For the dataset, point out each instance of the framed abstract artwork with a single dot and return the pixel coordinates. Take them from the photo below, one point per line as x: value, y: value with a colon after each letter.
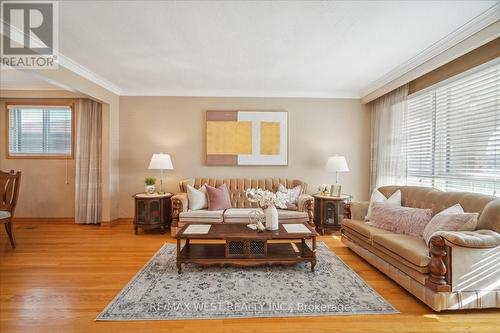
x: 246, y: 138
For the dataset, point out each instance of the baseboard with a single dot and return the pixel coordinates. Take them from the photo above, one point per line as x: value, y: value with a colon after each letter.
x: 43, y: 219
x: 121, y: 220
x: 127, y: 220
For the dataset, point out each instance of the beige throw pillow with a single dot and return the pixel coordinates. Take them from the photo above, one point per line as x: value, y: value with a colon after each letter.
x: 197, y: 198
x: 292, y: 196
x: 394, y: 199
x: 451, y: 219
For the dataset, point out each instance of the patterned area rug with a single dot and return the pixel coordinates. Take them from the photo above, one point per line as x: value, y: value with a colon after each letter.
x: 157, y: 292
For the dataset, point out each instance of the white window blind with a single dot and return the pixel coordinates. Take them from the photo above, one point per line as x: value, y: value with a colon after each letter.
x: 40, y: 131
x: 454, y: 133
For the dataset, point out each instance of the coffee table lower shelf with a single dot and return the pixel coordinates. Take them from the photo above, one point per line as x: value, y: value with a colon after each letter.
x: 218, y: 254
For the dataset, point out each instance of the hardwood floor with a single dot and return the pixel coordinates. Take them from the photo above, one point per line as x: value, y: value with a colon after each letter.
x: 62, y: 275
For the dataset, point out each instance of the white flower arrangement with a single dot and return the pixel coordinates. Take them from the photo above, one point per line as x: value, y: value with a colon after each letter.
x: 323, y: 187
x: 266, y: 198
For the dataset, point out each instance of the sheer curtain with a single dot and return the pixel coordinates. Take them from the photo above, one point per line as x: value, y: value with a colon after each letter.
x: 88, y: 163
x: 388, y: 139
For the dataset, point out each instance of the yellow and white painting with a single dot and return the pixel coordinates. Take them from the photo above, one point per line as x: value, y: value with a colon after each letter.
x: 246, y: 138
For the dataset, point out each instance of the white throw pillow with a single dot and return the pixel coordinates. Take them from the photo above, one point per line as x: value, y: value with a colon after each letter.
x: 197, y: 198
x: 292, y: 196
x: 394, y: 199
x: 451, y: 219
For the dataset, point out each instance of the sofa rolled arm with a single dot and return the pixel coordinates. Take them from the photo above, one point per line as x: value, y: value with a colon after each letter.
x: 359, y: 210
x: 179, y: 204
x: 306, y: 204
x: 478, y: 239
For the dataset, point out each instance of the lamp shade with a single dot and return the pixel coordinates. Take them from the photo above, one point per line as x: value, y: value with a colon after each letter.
x: 336, y: 164
x: 161, y: 162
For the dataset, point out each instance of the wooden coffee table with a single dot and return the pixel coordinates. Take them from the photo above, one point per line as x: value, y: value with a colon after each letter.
x: 245, y: 247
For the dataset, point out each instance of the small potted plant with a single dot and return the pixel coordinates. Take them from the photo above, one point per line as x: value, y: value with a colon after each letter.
x: 150, y: 184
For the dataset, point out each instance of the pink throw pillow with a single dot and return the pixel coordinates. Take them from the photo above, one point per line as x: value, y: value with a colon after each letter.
x: 401, y: 220
x: 218, y: 198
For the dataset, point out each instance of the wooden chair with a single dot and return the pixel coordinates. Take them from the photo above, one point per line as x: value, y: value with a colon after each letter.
x: 9, y: 190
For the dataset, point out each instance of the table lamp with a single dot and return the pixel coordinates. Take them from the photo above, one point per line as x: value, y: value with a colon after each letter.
x: 161, y: 162
x: 336, y: 164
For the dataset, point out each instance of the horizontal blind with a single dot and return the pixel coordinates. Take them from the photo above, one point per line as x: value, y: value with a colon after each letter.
x: 420, y: 140
x: 40, y: 131
x: 454, y: 134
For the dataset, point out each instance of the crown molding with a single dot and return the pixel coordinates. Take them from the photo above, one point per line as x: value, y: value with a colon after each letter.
x: 470, y: 28
x: 18, y: 36
x: 7, y: 86
x: 238, y: 93
x: 84, y: 72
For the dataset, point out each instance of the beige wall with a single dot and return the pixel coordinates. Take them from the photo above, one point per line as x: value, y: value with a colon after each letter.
x: 47, y: 185
x: 175, y: 125
x: 71, y: 81
x: 317, y: 128
x: 44, y: 190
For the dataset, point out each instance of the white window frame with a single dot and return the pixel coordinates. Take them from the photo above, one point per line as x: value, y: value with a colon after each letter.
x: 41, y: 105
x: 433, y: 89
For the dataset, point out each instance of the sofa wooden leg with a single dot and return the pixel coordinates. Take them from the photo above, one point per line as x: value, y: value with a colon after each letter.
x: 310, y: 213
x: 437, y: 280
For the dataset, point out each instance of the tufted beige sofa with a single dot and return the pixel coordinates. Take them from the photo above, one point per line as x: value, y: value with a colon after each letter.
x: 460, y: 270
x: 181, y: 214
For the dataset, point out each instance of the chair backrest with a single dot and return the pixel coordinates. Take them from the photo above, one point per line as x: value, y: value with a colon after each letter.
x: 237, y: 187
x: 9, y: 190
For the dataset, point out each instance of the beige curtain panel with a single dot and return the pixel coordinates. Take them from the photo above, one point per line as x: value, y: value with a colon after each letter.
x: 388, y: 139
x: 88, y: 163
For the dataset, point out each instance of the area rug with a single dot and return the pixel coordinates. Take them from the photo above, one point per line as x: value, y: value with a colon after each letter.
x: 157, y: 292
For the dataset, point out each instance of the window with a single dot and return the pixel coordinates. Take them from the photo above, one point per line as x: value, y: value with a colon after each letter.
x: 453, y: 128
x: 40, y: 131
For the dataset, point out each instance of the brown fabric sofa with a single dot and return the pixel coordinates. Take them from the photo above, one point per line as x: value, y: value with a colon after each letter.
x: 240, y: 205
x: 461, y: 270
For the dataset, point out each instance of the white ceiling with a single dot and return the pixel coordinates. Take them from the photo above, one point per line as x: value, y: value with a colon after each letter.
x: 302, y: 49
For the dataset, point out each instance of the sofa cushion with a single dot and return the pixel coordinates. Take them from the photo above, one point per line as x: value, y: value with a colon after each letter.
x: 201, y: 216
x: 239, y: 215
x: 292, y: 216
x: 416, y: 272
x: 363, y: 229
x: 406, y: 247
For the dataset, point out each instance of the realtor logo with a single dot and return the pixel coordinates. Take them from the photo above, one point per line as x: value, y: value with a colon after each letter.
x: 29, y: 34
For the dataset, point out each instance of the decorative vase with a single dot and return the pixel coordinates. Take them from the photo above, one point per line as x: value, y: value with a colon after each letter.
x: 271, y: 218
x: 150, y: 189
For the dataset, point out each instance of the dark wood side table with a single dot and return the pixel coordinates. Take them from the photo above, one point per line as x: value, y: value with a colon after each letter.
x: 329, y: 212
x: 152, y: 211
